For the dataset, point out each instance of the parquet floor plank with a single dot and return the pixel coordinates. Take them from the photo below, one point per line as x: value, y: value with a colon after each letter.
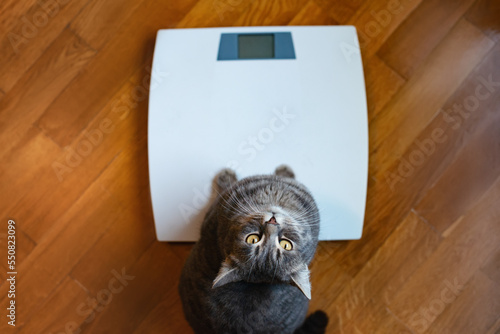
x: 323, y: 269
x: 99, y: 21
x: 18, y: 171
x: 484, y: 15
x: 492, y: 267
x: 404, y: 185
x: 147, y: 289
x: 438, y: 145
x: 468, y: 312
x: 340, y: 11
x: 119, y: 59
x: 378, y: 319
x: 49, y: 263
x: 270, y: 13
x: 10, y: 12
x: 24, y: 247
x: 417, y: 102
x: 465, y: 180
x: 451, y: 266
x: 382, y: 268
x: 383, y: 214
x: 127, y: 239
x: 382, y: 82
x: 30, y: 34
x: 70, y: 302
x: 167, y: 314
x: 417, y: 36
x: 112, y: 131
x: 495, y: 329
x: 36, y: 90
x: 376, y: 21
x: 218, y: 13
x: 131, y: 236
x: 312, y: 14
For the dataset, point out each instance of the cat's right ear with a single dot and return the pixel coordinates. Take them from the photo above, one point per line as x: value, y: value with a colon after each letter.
x: 284, y: 171
x: 227, y: 274
x: 225, y: 179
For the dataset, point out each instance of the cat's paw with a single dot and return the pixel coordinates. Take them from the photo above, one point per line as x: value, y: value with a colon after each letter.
x: 284, y: 171
x: 224, y: 179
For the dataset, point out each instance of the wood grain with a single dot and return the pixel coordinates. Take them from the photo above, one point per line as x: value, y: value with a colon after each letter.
x: 446, y: 272
x: 420, y: 99
x: 417, y: 36
x: 75, y: 232
x: 38, y: 87
x: 31, y: 34
x: 382, y: 82
x: 468, y: 313
x: 492, y: 267
x: 111, y: 67
x: 341, y: 11
x: 464, y: 181
x: 447, y: 133
x: 74, y: 172
x: 72, y: 304
x: 312, y: 14
x: 24, y: 248
x: 99, y: 21
x: 484, y: 14
x: 146, y: 289
x: 374, y: 277
x: 377, y: 20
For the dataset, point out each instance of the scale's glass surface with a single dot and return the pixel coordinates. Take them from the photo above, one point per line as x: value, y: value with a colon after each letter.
x: 253, y: 98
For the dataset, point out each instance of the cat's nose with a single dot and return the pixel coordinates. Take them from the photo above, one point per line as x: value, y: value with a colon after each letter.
x: 272, y: 221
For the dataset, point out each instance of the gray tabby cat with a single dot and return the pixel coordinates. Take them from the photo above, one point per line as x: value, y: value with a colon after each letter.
x: 249, y: 273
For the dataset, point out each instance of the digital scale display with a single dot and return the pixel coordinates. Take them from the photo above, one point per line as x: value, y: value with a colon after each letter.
x: 255, y: 46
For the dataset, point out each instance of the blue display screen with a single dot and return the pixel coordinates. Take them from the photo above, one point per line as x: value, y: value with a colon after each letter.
x: 255, y: 46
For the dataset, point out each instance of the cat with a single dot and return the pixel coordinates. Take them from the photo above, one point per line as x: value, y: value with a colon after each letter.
x: 248, y: 273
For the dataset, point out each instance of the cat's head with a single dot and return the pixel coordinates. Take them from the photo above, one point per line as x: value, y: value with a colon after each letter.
x: 268, y: 232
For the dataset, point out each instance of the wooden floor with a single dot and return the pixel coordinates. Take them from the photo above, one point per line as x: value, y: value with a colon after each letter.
x: 74, y: 173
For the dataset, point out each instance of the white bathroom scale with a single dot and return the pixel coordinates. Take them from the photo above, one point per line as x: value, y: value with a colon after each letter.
x: 251, y: 99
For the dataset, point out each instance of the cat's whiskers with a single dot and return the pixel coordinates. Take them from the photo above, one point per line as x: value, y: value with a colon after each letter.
x: 251, y: 204
x: 244, y: 209
x: 239, y: 208
x: 229, y: 207
x: 254, y: 204
x: 305, y: 215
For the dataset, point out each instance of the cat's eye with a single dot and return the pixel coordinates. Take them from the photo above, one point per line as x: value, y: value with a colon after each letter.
x: 285, y: 244
x: 253, y: 239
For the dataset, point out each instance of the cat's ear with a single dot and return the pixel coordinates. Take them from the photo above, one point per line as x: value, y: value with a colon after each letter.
x: 225, y: 179
x: 227, y: 274
x: 301, y: 280
x: 284, y: 171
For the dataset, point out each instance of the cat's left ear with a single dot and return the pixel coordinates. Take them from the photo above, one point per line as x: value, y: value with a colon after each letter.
x: 301, y: 280
x: 227, y: 274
